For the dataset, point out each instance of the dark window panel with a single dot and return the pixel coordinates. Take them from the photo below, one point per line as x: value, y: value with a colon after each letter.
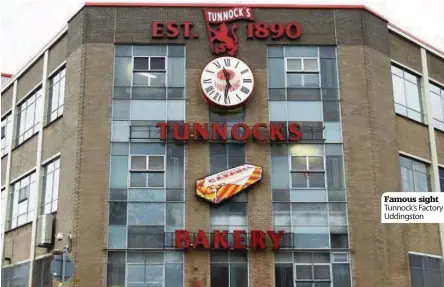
x: 341, y: 275
x: 145, y: 237
x: 219, y: 275
x: 118, y: 194
x: 148, y: 93
x: 304, y: 94
x: 326, y: 52
x: 275, y: 52
x: 238, y: 275
x: 276, y: 94
x: 122, y: 93
x: 331, y: 111
x: 328, y: 73
x: 176, y: 51
x: 117, y: 213
x: 284, y: 275
x: 157, y: 63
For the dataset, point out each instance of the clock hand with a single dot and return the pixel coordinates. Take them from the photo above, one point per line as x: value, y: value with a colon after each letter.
x: 228, y: 85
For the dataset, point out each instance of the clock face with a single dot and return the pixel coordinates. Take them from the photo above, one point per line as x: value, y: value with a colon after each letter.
x: 227, y: 82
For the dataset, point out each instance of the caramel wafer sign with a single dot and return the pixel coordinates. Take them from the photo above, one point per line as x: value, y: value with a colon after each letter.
x: 217, y: 188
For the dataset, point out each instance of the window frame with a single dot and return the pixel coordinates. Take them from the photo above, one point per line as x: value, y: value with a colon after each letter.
x: 45, y: 174
x: 37, y: 95
x: 302, y: 72
x: 5, y: 141
x: 149, y: 70
x: 419, y: 87
x: 441, y: 96
x: 307, y: 172
x: 14, y: 200
x: 414, y: 172
x: 58, y: 111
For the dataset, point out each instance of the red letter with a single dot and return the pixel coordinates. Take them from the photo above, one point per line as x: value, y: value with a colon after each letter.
x: 201, y: 239
x: 182, y: 239
x: 186, y: 133
x: 200, y: 132
x: 220, y: 238
x: 275, y: 131
x: 173, y: 30
x: 257, y: 133
x: 163, y: 130
x: 235, y: 132
x: 258, y: 239
x: 276, y: 238
x: 187, y: 29
x: 157, y: 30
x: 239, y: 240
x: 295, y: 132
x: 222, y: 131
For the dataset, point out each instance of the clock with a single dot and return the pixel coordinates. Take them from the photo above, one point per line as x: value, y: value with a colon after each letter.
x: 227, y: 82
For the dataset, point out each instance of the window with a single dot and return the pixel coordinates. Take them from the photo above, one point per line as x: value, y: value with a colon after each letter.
x: 5, y: 134
x: 136, y: 268
x: 312, y: 269
x: 56, y: 95
x: 441, y: 178
x: 147, y: 171
x: 50, y: 192
x: 437, y: 99
x: 16, y: 275
x: 29, y: 116
x: 426, y: 271
x: 42, y: 276
x: 415, y: 175
x: 229, y: 269
x: 2, y: 207
x: 406, y: 91
x: 307, y: 172
x: 23, y: 199
x: 149, y: 72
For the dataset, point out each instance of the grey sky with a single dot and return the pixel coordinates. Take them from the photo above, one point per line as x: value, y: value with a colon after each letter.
x: 27, y: 25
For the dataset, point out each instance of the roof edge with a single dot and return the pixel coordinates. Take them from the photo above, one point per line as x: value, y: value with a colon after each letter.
x: 6, y: 75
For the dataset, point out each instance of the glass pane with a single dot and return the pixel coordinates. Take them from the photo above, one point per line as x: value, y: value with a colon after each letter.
x: 412, y: 93
x: 118, y: 194
x: 311, y: 237
x: 147, y: 148
x: 219, y: 275
x: 311, y: 65
x: 275, y: 52
x: 121, y: 110
x: 136, y: 273
x: 153, y: 50
x: 154, y: 273
x: 156, y: 162
x: 148, y: 110
x: 301, y: 51
x: 122, y: 71
x: 421, y: 182
x: 309, y: 111
x: 119, y: 149
x: 145, y: 237
x: 304, y: 272
x: 399, y: 90
x: 308, y: 195
x: 327, y: 52
x: 238, y: 275
x: 138, y: 180
x: 298, y: 163
x: 176, y: 110
x: 175, y: 214
x: 298, y: 179
x: 157, y: 63
x: 141, y: 78
x: 311, y: 80
x: 173, y: 275
x: 277, y: 110
x: 156, y: 179
x: 176, y: 72
x: 146, y: 214
x: 284, y: 275
x: 316, y: 179
x: 279, y: 168
x: 294, y: 64
x: 117, y: 213
x: 407, y: 180
x: 138, y: 162
x: 119, y: 171
x: 309, y: 214
x: 335, y: 172
x: 141, y: 63
x: 157, y: 79
x: 331, y: 111
x: 294, y: 80
x: 276, y: 73
x: 176, y: 51
x: 117, y: 237
x: 321, y: 272
x: 316, y: 163
x: 120, y: 131
x: 341, y: 275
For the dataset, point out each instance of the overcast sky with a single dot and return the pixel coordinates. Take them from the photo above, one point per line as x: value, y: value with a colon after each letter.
x: 27, y: 25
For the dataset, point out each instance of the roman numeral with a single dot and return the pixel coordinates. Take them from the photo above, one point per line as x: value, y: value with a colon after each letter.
x: 240, y: 99
x: 209, y: 89
x: 227, y: 62
x: 217, y: 97
x: 208, y: 81
x: 217, y: 64
x: 212, y: 92
x: 247, y: 80
x: 244, y: 71
x: 245, y: 90
x: 228, y: 99
x: 237, y: 64
x: 209, y: 71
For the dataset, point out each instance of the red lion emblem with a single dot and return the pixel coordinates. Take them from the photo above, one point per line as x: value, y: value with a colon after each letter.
x: 221, y: 41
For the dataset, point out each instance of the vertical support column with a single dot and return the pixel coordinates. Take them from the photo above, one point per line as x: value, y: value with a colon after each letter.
x: 36, y: 209
x: 432, y: 141
x: 5, y: 207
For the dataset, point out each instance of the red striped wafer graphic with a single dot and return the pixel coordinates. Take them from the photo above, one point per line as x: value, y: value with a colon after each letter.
x: 222, y: 191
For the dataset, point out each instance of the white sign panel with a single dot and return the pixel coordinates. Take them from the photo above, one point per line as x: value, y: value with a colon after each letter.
x: 412, y: 207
